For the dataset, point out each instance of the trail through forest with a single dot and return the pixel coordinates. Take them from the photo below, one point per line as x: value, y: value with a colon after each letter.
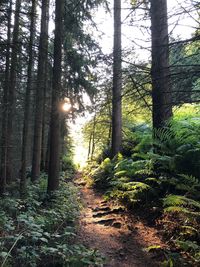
x: 119, y: 236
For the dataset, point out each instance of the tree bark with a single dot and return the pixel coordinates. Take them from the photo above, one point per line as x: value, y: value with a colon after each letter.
x: 160, y: 72
x: 44, y: 121
x: 54, y: 162
x: 5, y: 107
x: 93, y: 136
x: 117, y: 82
x: 63, y: 133
x: 89, y: 146
x: 28, y: 98
x: 47, y: 155
x: 41, y: 83
x: 12, y: 91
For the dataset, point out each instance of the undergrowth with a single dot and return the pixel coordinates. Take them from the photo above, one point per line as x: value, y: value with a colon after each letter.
x: 160, y: 177
x: 39, y: 230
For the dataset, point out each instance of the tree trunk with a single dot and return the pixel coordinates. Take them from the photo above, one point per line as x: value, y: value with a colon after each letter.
x: 54, y: 162
x: 89, y: 146
x: 117, y: 82
x: 41, y: 83
x: 63, y: 133
x: 5, y: 106
x: 49, y: 101
x: 43, y: 146
x: 12, y: 91
x: 93, y: 137
x: 27, y: 98
x: 47, y: 156
x: 110, y: 123
x: 160, y: 73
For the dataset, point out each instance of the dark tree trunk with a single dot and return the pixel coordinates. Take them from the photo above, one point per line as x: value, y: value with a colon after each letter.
x: 44, y: 122
x: 12, y: 91
x: 49, y: 100
x: 117, y: 82
x: 43, y: 147
x: 47, y: 156
x: 28, y: 98
x: 54, y: 162
x: 110, y: 123
x: 41, y: 83
x: 5, y: 106
x: 161, y: 87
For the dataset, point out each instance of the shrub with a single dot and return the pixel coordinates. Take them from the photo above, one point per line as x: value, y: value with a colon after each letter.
x: 39, y: 230
x: 68, y: 165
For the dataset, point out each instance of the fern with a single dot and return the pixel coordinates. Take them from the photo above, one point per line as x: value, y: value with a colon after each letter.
x: 133, y: 186
x: 189, y: 179
x: 175, y: 200
x: 119, y: 181
x: 186, y: 211
x: 120, y: 173
x: 188, y: 245
x: 123, y: 165
x: 131, y: 192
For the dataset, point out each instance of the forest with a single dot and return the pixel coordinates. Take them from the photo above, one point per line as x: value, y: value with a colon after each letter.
x: 100, y: 133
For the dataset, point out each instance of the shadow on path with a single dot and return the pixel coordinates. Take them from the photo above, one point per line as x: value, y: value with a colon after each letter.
x: 118, y: 236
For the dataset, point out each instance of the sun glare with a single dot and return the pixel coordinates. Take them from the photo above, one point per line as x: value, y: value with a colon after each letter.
x: 66, y: 107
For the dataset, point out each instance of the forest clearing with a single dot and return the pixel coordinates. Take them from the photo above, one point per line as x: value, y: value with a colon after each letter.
x: 100, y: 133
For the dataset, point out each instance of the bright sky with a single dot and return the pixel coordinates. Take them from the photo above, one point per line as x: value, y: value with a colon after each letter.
x: 80, y: 147
x: 135, y: 31
x: 130, y: 33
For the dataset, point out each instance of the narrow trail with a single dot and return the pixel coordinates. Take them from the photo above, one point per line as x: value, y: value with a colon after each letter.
x: 118, y: 236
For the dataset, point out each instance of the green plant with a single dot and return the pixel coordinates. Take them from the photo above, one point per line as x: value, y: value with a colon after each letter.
x: 41, y: 228
x: 67, y: 164
x: 103, y: 174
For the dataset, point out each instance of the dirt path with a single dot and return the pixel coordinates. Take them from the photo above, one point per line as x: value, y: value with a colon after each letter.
x: 118, y: 236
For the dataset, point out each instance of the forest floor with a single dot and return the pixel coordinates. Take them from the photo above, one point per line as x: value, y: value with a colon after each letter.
x: 117, y: 234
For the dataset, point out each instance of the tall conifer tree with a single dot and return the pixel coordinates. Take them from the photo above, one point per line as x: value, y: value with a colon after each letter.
x: 117, y: 82
x: 160, y: 72
x: 41, y: 83
x: 54, y: 161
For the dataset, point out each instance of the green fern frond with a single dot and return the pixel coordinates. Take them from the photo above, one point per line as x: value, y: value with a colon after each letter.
x: 176, y: 200
x: 120, y: 181
x: 123, y: 164
x: 163, y: 134
x: 145, y: 172
x: 188, y: 245
x: 183, y: 187
x: 177, y: 209
x: 121, y: 173
x: 134, y: 186
x: 189, y: 180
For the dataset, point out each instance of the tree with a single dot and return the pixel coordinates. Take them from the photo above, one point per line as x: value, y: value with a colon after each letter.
x: 41, y: 83
x: 27, y: 97
x: 12, y: 91
x: 117, y: 82
x: 4, y: 141
x: 54, y: 161
x: 160, y: 72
